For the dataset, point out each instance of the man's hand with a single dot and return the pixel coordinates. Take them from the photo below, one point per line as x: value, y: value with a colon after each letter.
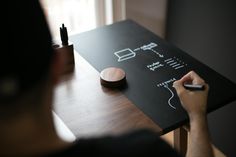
x: 194, y: 102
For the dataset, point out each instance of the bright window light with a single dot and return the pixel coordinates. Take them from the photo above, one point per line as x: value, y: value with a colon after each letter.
x: 77, y: 15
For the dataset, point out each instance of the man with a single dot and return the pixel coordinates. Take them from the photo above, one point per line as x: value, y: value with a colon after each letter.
x: 29, y: 72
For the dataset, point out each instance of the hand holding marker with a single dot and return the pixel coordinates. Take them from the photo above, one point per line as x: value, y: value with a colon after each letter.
x: 194, y: 87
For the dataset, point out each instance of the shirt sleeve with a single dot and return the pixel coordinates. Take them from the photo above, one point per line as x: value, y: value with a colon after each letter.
x: 136, y: 143
x: 139, y: 143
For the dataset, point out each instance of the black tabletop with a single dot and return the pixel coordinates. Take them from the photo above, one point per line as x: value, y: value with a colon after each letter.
x: 151, y: 65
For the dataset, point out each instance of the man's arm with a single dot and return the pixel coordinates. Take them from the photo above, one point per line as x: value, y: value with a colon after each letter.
x: 195, y: 102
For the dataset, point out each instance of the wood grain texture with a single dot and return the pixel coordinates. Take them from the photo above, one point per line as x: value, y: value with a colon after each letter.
x: 90, y: 109
x: 181, y: 140
x: 112, y: 77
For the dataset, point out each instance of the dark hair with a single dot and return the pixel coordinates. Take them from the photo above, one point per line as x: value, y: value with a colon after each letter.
x: 27, y: 48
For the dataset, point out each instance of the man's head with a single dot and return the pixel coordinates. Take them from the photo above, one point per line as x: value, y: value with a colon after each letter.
x: 26, y: 54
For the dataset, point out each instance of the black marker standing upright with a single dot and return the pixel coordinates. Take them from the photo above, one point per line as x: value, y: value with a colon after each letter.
x: 66, y: 48
x: 64, y: 35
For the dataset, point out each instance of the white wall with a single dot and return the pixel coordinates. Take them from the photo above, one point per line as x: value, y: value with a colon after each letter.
x: 149, y: 13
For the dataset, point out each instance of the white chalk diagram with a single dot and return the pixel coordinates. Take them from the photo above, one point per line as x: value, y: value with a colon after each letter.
x: 154, y: 66
x: 150, y: 47
x: 165, y: 85
x: 127, y: 53
x: 175, y: 63
x: 172, y: 96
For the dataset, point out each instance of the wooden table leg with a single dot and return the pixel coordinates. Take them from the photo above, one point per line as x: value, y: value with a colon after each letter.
x: 181, y: 140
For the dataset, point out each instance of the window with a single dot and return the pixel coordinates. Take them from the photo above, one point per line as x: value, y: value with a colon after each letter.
x: 77, y: 15
x: 81, y: 15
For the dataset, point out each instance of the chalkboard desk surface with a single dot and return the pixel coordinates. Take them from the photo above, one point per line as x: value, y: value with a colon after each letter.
x: 90, y: 109
x: 149, y: 101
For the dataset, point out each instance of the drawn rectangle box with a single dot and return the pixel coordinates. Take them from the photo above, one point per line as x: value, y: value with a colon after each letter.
x: 125, y: 54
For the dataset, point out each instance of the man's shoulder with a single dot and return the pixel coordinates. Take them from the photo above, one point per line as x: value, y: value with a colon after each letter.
x: 136, y: 143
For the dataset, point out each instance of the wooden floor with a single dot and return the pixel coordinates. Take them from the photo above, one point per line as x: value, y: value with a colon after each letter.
x: 169, y: 139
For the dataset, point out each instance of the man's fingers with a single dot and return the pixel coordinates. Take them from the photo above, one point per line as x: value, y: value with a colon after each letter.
x: 192, y: 77
x: 179, y: 87
x: 186, y: 78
